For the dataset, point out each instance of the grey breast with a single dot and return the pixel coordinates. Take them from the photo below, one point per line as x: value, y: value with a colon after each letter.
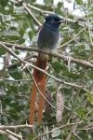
x: 47, y: 39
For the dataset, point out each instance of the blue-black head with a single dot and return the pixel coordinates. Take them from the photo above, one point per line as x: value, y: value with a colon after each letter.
x: 53, y: 21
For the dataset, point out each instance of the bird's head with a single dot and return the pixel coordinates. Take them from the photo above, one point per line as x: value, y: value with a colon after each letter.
x: 53, y: 21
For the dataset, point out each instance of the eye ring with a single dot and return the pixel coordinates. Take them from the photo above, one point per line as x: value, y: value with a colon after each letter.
x: 52, y: 21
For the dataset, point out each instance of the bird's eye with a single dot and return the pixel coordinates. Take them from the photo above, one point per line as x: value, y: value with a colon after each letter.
x: 52, y: 21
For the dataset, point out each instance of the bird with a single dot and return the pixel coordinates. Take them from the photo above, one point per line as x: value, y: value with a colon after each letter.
x: 47, y: 41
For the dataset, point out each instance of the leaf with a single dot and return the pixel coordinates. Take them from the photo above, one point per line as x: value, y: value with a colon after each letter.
x: 81, y: 112
x: 2, y: 50
x: 48, y: 1
x: 16, y: 75
x: 79, y: 2
x: 57, y: 66
x: 11, y: 34
x: 90, y: 98
x: 55, y: 133
x: 3, y: 3
x: 2, y: 137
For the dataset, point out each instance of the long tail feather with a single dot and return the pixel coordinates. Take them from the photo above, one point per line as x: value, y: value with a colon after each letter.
x: 40, y: 79
x: 32, y: 104
x: 40, y: 63
x: 42, y: 87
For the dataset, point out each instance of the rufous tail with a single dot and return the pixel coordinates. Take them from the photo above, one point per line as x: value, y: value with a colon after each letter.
x: 40, y: 81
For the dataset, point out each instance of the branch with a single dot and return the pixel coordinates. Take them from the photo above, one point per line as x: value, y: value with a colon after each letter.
x: 73, y: 130
x: 42, y: 94
x: 3, y: 127
x: 80, y: 22
x: 14, y: 134
x: 61, y: 127
x: 24, y: 62
x: 39, y: 10
x: 11, y: 52
x: 27, y: 63
x: 32, y: 15
x: 85, y: 129
x: 9, y: 136
x: 65, y: 58
x: 72, y: 39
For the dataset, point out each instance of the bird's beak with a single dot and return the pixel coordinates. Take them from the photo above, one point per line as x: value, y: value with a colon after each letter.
x: 61, y: 21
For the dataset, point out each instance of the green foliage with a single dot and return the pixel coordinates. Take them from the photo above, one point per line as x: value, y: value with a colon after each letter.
x: 2, y: 51
x: 79, y: 2
x: 2, y: 137
x: 19, y: 28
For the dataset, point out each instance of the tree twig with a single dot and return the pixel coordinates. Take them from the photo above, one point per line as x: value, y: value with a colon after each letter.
x: 3, y: 127
x: 14, y: 134
x: 68, y: 124
x: 32, y: 15
x: 39, y: 10
x: 57, y: 79
x: 72, y: 39
x: 65, y: 58
x: 9, y: 136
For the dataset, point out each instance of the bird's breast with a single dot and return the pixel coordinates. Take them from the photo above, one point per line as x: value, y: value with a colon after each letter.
x: 47, y: 39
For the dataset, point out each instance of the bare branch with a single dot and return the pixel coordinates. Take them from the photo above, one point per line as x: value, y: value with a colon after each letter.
x: 32, y: 15
x: 72, y: 39
x: 65, y: 58
x: 3, y: 127
x: 10, y: 137
x: 54, y: 54
x: 61, y: 127
x: 73, y: 130
x: 39, y: 10
x: 14, y: 134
